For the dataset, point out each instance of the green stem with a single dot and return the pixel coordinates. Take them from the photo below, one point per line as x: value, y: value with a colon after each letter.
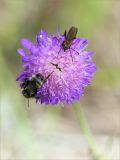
x: 87, y: 133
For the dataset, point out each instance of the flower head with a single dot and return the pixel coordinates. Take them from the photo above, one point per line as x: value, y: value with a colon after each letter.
x: 68, y: 77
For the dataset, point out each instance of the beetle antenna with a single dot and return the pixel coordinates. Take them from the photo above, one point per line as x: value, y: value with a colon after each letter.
x: 65, y: 34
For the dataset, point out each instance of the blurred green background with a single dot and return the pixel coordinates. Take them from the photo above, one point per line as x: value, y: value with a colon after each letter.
x: 46, y: 132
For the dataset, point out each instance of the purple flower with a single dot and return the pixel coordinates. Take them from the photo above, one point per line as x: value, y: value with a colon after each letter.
x: 68, y: 78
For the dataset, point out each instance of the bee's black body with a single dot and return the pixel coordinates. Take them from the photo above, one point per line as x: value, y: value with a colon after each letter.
x: 69, y: 37
x: 30, y: 86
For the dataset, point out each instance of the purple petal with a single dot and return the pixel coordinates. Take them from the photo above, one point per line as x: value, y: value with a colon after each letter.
x: 41, y: 36
x: 27, y: 43
x: 21, y: 51
x: 21, y: 77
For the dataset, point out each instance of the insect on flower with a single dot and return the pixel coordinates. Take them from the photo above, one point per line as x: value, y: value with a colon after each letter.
x: 57, y: 66
x: 69, y: 37
x: 52, y: 79
x: 31, y: 86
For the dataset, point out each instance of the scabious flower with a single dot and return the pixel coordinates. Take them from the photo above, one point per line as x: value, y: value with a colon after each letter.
x: 68, y: 78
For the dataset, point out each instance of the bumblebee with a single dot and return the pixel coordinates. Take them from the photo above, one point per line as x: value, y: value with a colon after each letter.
x: 31, y: 85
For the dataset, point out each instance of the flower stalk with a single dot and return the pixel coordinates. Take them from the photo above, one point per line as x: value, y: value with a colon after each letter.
x: 88, y: 134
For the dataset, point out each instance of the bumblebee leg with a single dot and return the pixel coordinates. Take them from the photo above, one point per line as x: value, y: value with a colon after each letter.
x: 49, y: 75
x: 37, y: 99
x: 28, y: 103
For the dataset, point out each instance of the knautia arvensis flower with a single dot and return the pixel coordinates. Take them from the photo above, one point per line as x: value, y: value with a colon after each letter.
x: 68, y: 77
